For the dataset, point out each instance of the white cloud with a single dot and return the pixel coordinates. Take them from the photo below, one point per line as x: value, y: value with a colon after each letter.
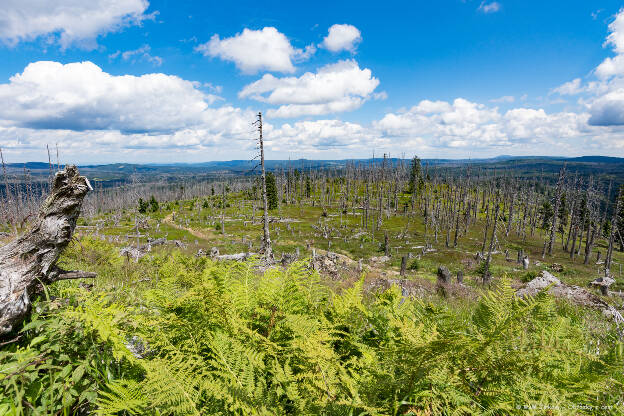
x: 81, y: 97
x: 67, y: 21
x: 338, y: 87
x: 614, y: 66
x: 608, y: 109
x: 142, y: 53
x: 256, y: 50
x: 468, y: 125
x: 569, y: 88
x: 504, y: 99
x: 342, y: 37
x: 491, y: 7
x: 603, y: 98
x: 537, y: 125
x: 319, y: 135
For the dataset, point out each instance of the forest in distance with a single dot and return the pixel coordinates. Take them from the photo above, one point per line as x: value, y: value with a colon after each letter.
x: 381, y: 286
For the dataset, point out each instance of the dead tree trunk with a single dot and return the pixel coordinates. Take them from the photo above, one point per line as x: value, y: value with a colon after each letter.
x: 30, y: 260
x: 487, y: 276
x: 616, y: 210
x: 553, y: 229
x: 266, y: 248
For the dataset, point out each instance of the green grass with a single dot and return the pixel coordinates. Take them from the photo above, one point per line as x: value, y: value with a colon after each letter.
x: 238, y: 225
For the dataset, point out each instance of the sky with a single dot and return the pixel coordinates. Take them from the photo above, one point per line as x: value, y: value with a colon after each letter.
x: 158, y: 81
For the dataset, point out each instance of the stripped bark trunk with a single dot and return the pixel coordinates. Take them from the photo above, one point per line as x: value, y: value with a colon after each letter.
x: 30, y: 260
x: 553, y: 229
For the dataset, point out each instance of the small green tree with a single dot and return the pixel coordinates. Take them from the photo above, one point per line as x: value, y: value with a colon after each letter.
x: 546, y: 213
x: 271, y: 190
x: 416, y: 181
x: 620, y: 220
x: 153, y: 204
x: 143, y: 206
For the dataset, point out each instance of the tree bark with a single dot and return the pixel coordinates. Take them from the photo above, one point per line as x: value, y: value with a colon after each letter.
x: 30, y: 260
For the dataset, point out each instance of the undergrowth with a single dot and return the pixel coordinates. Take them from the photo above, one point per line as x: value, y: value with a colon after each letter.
x: 180, y: 335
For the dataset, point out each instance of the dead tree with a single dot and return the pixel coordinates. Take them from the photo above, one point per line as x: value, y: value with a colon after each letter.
x: 487, y: 276
x: 609, y: 257
x: 30, y: 260
x: 553, y: 229
x: 266, y: 239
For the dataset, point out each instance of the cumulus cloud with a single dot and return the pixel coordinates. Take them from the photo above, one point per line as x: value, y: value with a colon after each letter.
x: 491, y: 7
x: 608, y: 109
x: 342, y: 37
x: 319, y: 135
x: 603, y: 98
x: 614, y: 66
x: 338, y: 87
x: 90, y: 112
x: 464, y: 124
x: 569, y: 88
x: 256, y: 50
x: 80, y: 96
x: 67, y: 21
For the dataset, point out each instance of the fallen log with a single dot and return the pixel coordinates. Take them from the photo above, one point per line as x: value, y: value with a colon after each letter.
x: 235, y: 257
x: 29, y: 261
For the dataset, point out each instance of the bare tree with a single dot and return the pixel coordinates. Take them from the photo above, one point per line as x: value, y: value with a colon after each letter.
x: 266, y: 238
x: 553, y: 228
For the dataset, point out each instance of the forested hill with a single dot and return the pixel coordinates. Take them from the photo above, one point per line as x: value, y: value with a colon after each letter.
x: 603, y: 167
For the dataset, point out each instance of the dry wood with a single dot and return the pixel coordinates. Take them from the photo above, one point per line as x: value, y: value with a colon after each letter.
x: 30, y: 260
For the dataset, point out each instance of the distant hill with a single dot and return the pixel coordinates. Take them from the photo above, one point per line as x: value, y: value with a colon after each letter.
x: 544, y: 167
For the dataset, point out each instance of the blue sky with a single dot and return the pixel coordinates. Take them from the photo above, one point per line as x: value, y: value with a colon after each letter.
x: 158, y: 81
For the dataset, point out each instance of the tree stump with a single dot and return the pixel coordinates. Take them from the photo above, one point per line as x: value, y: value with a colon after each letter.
x: 444, y: 276
x: 30, y: 260
x: 603, y: 284
x: 525, y: 262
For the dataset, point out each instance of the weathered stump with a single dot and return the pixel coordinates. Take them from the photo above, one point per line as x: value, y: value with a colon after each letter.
x: 30, y: 260
x: 444, y: 276
x: 525, y: 262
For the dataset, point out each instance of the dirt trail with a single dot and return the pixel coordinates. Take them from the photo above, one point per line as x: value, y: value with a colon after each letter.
x: 169, y: 221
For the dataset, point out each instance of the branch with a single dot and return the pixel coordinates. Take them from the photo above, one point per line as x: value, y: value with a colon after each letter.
x: 60, y: 274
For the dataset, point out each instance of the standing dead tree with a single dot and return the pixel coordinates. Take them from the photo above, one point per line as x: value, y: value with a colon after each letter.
x: 266, y: 239
x: 553, y: 228
x: 29, y: 261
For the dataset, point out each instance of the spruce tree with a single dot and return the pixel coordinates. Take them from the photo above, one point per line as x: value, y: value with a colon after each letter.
x: 416, y: 178
x: 271, y: 191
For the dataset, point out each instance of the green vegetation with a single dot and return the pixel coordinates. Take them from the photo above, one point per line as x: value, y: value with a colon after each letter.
x: 174, y: 334
x: 353, y: 333
x: 271, y: 191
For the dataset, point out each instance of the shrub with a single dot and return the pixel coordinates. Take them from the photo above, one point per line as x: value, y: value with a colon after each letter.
x: 528, y: 276
x: 414, y: 265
